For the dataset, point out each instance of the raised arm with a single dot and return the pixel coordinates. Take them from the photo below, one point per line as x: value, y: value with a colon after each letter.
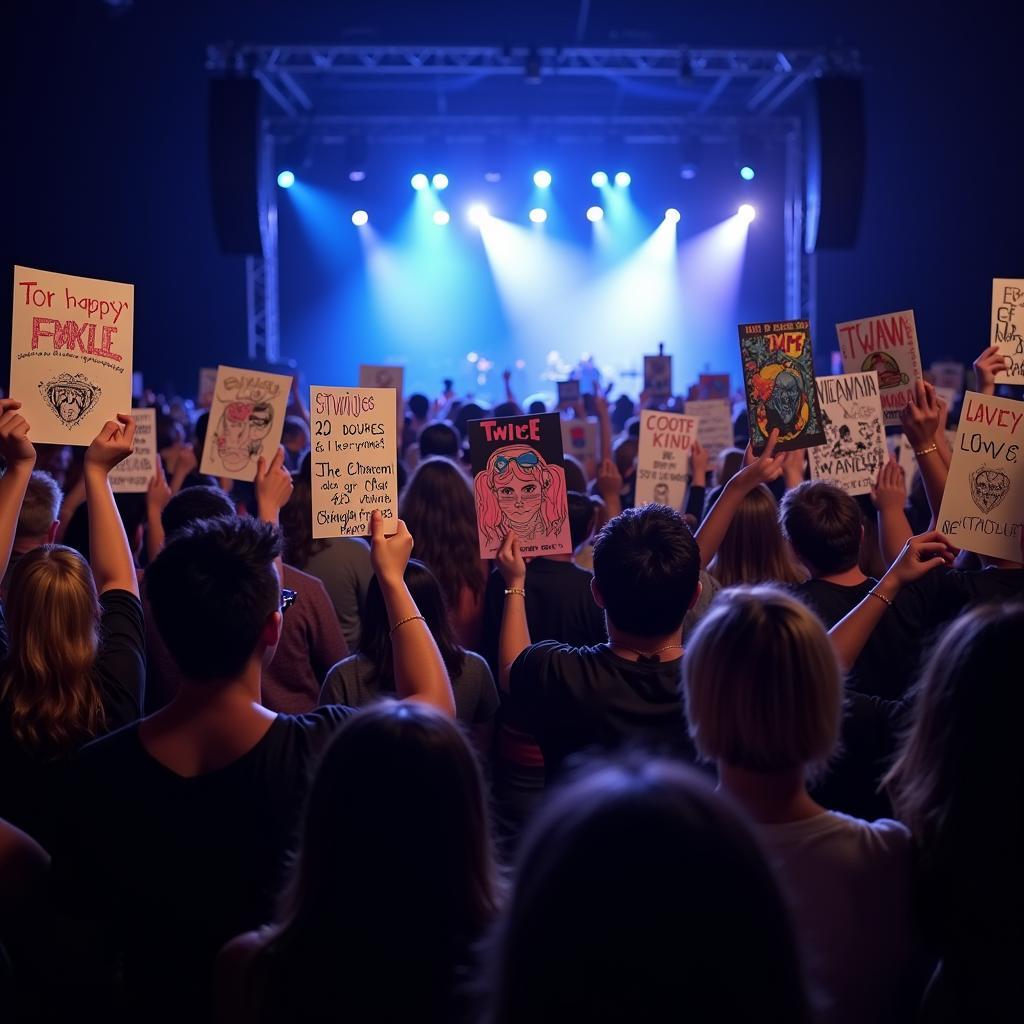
x: 515, y: 632
x: 158, y: 494
x: 920, y: 421
x: 20, y: 456
x: 696, y: 491
x: 419, y: 668
x: 889, y: 496
x: 986, y: 366
x: 110, y: 555
x: 273, y: 485
x: 604, y: 424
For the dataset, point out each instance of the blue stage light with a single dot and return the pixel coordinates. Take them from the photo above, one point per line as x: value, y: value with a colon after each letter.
x: 599, y: 179
x: 622, y: 179
x: 746, y: 212
x: 286, y: 179
x: 441, y: 217
x: 594, y: 214
x: 542, y: 179
x: 440, y: 182
x: 747, y: 172
x: 538, y: 215
x: 672, y: 215
x: 419, y: 182
x: 477, y: 214
x: 360, y: 217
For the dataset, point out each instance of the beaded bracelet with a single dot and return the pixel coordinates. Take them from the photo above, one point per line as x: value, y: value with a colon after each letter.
x: 515, y: 590
x: 926, y: 451
x: 881, y: 597
x: 402, y: 622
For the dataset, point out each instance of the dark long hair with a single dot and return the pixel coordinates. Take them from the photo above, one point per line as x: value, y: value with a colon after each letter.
x: 297, y: 520
x: 375, y: 638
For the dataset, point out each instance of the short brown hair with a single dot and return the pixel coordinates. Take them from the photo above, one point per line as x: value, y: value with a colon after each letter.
x: 41, y: 506
x: 823, y: 526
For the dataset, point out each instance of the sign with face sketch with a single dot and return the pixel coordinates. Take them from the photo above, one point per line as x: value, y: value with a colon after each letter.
x: 71, y: 353
x: 983, y: 503
x: 246, y: 420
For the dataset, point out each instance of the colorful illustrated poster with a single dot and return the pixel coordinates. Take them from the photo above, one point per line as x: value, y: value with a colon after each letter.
x: 658, y: 377
x: 207, y: 386
x: 983, y: 503
x: 663, y: 458
x: 854, y: 448
x: 715, y: 415
x: 778, y: 375
x: 1008, y: 326
x: 246, y: 420
x: 519, y: 483
x: 133, y: 475
x: 579, y: 439
x: 887, y: 345
x: 71, y: 353
x: 568, y: 391
x: 713, y: 385
x: 354, y: 459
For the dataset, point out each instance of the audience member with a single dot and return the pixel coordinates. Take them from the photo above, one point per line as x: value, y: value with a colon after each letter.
x: 37, y: 522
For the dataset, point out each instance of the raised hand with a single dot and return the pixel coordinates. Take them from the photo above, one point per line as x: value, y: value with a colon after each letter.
x: 112, y: 445
x: 986, y: 366
x: 699, y: 461
x: 15, y: 446
x: 920, y: 555
x: 793, y: 464
x: 510, y: 562
x: 890, y: 490
x: 763, y: 468
x: 158, y: 491
x: 920, y: 417
x: 389, y: 555
x: 273, y: 485
x: 609, y: 479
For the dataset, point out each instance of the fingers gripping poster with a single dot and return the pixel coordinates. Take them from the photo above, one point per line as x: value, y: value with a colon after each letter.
x: 71, y: 353
x: 519, y: 484
x: 246, y: 419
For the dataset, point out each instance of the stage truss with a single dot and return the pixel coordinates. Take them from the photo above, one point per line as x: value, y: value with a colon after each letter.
x: 419, y: 94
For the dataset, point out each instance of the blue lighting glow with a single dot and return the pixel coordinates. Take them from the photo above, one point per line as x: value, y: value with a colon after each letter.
x: 594, y: 214
x: 622, y: 179
x: 747, y: 172
x: 672, y: 215
x: 542, y: 179
x: 360, y: 217
x: 599, y: 179
x: 477, y: 214
x: 285, y: 179
x: 440, y: 182
x: 419, y: 182
x: 746, y: 212
x: 441, y: 217
x: 538, y: 215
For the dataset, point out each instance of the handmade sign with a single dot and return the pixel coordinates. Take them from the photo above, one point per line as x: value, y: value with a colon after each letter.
x: 658, y: 376
x: 207, y: 384
x: 579, y: 439
x: 715, y: 415
x: 71, y: 353
x: 663, y: 457
x: 778, y: 374
x: 854, y: 448
x: 902, y: 450
x: 887, y: 345
x: 519, y: 483
x: 948, y: 375
x: 246, y: 419
x: 134, y: 474
x: 383, y: 377
x: 983, y: 503
x: 354, y: 460
x: 568, y: 391
x: 1008, y: 326
x: 713, y: 385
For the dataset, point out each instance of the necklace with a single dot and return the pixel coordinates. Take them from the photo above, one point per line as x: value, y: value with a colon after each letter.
x: 645, y: 655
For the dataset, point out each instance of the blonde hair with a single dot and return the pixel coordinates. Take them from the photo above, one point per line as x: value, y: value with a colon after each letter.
x: 46, y: 683
x: 753, y: 549
x: 761, y: 682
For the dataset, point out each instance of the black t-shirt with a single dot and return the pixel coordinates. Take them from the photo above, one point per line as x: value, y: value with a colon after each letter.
x: 28, y: 778
x: 178, y: 866
x: 581, y: 698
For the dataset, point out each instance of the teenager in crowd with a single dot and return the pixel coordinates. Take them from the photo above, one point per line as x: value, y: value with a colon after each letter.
x: 763, y: 702
x: 958, y: 785
x: 38, y: 520
x: 393, y: 884
x: 174, y: 829
x: 71, y: 639
x: 368, y: 674
x: 640, y: 896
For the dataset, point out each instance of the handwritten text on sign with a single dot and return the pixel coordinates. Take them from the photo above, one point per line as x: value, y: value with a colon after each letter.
x: 354, y: 460
x: 1008, y: 327
x: 663, y: 461
x: 133, y: 475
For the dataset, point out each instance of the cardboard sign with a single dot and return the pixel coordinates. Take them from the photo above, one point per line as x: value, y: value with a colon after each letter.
x: 207, y: 386
x: 579, y: 439
x: 658, y: 376
x: 354, y: 460
x: 983, y: 503
x: 778, y: 375
x: 663, y: 457
x: 713, y: 385
x: 1008, y: 326
x: 134, y: 474
x: 519, y: 483
x: 887, y: 345
x: 948, y: 375
x: 854, y: 448
x: 900, y: 448
x: 715, y: 415
x: 71, y: 353
x: 383, y: 377
x: 246, y: 420
x: 568, y: 391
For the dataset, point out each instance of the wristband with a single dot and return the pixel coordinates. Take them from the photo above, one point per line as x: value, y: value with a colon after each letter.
x: 881, y: 597
x: 515, y: 590
x: 926, y: 451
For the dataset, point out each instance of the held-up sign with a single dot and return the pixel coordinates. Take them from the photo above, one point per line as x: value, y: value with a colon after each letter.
x: 983, y: 503
x: 71, y: 353
x: 888, y: 345
x: 854, y: 447
x: 568, y: 391
x: 663, y: 458
x: 1008, y: 326
x: 715, y: 415
x: 134, y: 474
x: 658, y: 376
x: 579, y: 439
x: 354, y: 460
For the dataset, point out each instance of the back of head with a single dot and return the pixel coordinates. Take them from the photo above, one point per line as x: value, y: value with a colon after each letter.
x: 193, y: 504
x: 582, y: 512
x: 625, y: 452
x: 753, y: 549
x: 640, y: 896
x: 465, y: 413
x: 575, y: 477
x: 823, y: 526
x: 730, y: 462
x: 646, y: 566
x: 419, y: 405
x: 761, y: 682
x: 212, y: 589
x: 439, y: 438
x: 53, y: 617
x: 40, y: 508
x: 536, y: 407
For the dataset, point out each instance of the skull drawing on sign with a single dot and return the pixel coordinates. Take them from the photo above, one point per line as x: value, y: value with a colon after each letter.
x: 988, y: 488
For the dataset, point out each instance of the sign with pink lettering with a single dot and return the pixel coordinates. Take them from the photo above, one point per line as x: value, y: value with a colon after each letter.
x: 887, y: 345
x: 71, y: 353
x: 1008, y: 326
x: 519, y: 483
x: 246, y: 420
x: 134, y: 474
x: 663, y: 457
x: 354, y: 462
x: 983, y: 503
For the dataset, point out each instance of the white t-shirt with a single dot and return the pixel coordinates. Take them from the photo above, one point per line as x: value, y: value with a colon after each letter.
x: 847, y: 882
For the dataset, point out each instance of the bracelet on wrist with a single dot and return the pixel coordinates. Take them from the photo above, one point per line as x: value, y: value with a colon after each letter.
x: 402, y: 622
x: 926, y: 451
x: 880, y: 596
x: 515, y: 590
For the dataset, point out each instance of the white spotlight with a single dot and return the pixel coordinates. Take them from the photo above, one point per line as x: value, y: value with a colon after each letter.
x: 672, y: 215
x: 538, y: 215
x: 477, y: 214
x: 594, y: 214
x: 441, y: 217
x: 746, y: 212
x: 360, y: 217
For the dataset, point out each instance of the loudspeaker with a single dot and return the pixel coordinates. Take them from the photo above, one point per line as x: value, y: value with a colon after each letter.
x: 835, y: 163
x: 233, y: 120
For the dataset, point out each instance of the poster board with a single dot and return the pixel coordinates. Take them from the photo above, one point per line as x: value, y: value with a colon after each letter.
x: 713, y: 385
x: 207, y: 386
x: 579, y: 439
x: 384, y: 377
x: 663, y: 457
x: 134, y: 474
x: 1008, y: 326
x: 854, y: 448
x: 778, y: 377
x: 519, y: 483
x: 354, y: 462
x: 246, y: 420
x: 715, y: 415
x: 568, y: 391
x: 658, y: 377
x: 71, y: 353
x: 888, y: 345
x: 983, y: 503
x: 902, y: 450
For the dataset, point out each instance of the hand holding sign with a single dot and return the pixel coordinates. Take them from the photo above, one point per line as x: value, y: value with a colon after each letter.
x: 986, y: 366
x: 920, y: 417
x: 158, y: 493
x: 890, y: 490
x: 112, y: 445
x: 273, y: 486
x: 699, y: 460
x: 389, y: 555
x: 763, y: 468
x: 15, y: 446
x: 510, y: 562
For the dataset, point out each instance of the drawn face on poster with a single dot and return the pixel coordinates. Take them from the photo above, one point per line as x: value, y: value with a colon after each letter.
x: 69, y: 396
x: 854, y: 447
